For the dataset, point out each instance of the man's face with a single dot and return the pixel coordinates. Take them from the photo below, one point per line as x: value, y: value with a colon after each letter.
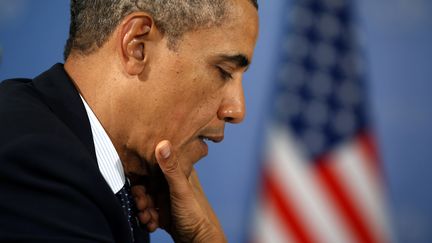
x: 186, y: 96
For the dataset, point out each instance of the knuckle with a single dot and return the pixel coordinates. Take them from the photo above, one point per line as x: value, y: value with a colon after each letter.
x: 171, y: 167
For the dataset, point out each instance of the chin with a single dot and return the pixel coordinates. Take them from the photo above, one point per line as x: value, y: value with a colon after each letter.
x: 188, y: 166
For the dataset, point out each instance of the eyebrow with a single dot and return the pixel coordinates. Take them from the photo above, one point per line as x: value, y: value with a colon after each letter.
x: 239, y: 60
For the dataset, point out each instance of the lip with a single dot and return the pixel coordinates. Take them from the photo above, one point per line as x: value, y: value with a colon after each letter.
x: 213, y: 138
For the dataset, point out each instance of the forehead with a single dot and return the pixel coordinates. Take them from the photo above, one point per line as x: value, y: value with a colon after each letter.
x: 236, y: 34
x: 243, y: 15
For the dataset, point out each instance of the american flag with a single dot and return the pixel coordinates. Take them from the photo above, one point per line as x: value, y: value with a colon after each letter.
x: 321, y: 179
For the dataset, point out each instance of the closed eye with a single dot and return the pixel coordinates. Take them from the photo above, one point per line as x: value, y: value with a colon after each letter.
x: 224, y: 74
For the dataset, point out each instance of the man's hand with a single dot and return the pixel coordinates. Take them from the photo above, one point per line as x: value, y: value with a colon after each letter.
x: 191, y: 217
x: 147, y: 213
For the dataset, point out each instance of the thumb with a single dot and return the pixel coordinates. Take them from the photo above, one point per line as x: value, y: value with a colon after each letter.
x: 177, y: 180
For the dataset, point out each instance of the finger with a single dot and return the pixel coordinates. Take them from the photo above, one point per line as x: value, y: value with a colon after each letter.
x: 154, y: 221
x: 152, y: 226
x: 138, y: 190
x: 142, y: 201
x: 177, y: 180
x: 144, y: 216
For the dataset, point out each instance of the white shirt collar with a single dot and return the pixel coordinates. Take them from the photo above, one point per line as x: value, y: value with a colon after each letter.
x: 107, y: 157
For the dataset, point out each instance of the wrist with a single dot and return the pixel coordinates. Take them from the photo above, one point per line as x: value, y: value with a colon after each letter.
x: 203, y: 233
x: 209, y: 233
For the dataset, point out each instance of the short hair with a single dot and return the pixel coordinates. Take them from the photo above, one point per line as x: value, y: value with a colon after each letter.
x: 93, y: 21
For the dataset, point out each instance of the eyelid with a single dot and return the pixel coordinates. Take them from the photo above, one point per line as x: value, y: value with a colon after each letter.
x: 225, y: 74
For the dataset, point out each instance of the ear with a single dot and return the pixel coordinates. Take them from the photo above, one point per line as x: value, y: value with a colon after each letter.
x: 135, y: 31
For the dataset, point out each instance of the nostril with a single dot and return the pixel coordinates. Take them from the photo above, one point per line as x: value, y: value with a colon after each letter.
x: 228, y: 119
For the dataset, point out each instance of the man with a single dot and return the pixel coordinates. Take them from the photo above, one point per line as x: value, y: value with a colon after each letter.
x: 144, y: 86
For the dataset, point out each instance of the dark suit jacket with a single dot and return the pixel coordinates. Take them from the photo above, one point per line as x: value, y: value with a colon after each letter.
x: 51, y: 189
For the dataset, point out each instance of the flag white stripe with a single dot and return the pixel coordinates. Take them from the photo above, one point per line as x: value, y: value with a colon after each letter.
x: 268, y: 227
x: 309, y: 200
x: 363, y: 186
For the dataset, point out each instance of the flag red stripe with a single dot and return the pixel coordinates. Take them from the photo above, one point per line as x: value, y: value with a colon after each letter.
x: 295, y: 227
x: 332, y: 184
x: 369, y: 150
x: 369, y: 145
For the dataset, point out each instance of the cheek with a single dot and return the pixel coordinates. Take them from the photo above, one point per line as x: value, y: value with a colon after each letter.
x: 193, y: 98
x: 195, y: 112
x: 197, y: 103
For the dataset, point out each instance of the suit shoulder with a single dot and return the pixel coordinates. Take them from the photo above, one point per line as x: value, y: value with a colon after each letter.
x: 23, y: 111
x: 18, y: 92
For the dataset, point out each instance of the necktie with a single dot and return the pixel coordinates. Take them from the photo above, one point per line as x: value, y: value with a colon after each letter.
x: 128, y: 205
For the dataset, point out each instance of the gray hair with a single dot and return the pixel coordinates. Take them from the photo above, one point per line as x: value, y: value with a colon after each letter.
x: 93, y: 21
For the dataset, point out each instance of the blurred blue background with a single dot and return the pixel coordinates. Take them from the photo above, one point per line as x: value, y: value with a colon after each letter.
x: 397, y: 37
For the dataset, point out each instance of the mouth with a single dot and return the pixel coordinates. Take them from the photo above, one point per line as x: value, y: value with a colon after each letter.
x: 209, y: 138
x: 212, y: 138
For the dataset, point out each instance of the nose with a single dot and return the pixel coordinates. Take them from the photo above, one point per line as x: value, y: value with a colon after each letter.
x: 233, y: 108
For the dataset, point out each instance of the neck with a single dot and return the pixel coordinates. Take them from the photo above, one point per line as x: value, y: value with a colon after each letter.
x: 93, y: 83
x: 95, y: 78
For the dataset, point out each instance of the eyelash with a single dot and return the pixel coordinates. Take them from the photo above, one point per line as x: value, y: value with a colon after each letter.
x: 224, y: 74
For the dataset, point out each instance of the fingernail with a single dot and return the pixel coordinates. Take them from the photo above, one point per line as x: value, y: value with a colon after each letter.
x: 165, y: 151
